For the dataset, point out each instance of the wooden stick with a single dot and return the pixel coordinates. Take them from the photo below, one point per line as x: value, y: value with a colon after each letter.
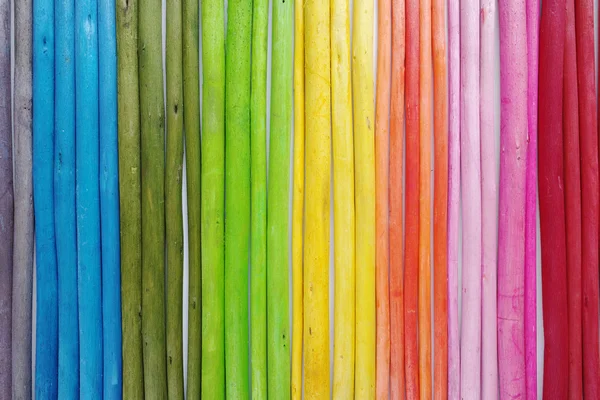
x: 173, y: 200
x: 552, y: 211
x: 470, y: 351
x: 382, y: 138
x: 278, y: 314
x: 258, y: 198
x: 318, y: 184
x: 153, y: 196
x: 397, y: 380
x: 64, y: 200
x: 298, y: 203
x: 440, y: 205
x: 411, y: 252
x: 489, y: 204
x: 22, y: 280
x: 573, y: 205
x: 130, y: 198
x: 364, y: 189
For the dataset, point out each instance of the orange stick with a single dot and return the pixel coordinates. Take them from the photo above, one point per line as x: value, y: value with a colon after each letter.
x: 382, y: 116
x: 440, y: 202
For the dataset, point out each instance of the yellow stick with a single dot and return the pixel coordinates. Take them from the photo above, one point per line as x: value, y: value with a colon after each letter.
x: 318, y: 184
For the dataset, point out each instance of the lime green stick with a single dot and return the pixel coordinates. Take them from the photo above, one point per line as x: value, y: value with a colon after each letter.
x: 191, y: 120
x: 258, y: 173
x: 278, y: 331
x: 129, y: 198
x: 173, y: 206
x: 213, y: 199
x: 152, y: 115
x: 237, y: 196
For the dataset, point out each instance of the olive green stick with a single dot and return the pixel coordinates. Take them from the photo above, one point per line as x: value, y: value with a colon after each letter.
x: 213, y: 199
x: 258, y: 174
x: 237, y: 196
x: 278, y: 331
x: 129, y: 197
x: 173, y: 206
x: 153, y: 198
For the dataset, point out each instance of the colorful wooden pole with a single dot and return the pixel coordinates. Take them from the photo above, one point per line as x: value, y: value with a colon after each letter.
x: 552, y: 210
x: 128, y: 119
x: 22, y: 280
x: 573, y: 205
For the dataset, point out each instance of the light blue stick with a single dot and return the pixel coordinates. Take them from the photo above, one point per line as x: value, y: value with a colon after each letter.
x: 88, y: 199
x: 64, y: 200
x: 43, y: 193
x: 109, y: 200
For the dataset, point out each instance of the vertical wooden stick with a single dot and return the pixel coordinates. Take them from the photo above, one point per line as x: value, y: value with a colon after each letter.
x: 573, y: 205
x: 552, y: 211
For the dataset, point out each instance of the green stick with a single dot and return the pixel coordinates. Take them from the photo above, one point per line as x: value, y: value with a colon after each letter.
x: 153, y: 197
x: 237, y: 195
x: 130, y: 205
x: 174, y: 222
x: 279, y: 202
x: 213, y: 199
x: 258, y: 171
x: 191, y: 120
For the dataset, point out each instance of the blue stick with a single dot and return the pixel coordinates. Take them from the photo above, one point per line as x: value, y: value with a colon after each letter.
x: 43, y: 194
x: 88, y: 199
x: 109, y: 200
x: 64, y: 200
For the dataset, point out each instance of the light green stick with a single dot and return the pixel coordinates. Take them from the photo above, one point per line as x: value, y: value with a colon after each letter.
x: 237, y: 196
x: 279, y: 202
x: 174, y: 221
x: 258, y: 172
x: 191, y: 120
x: 213, y: 199
x: 152, y: 115
x: 130, y: 200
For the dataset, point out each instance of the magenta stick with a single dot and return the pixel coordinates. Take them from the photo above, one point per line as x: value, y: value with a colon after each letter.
x: 453, y: 197
x: 511, y: 233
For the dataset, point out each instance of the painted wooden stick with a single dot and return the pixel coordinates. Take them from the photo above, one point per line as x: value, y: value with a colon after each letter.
x: 22, y: 281
x: 87, y: 174
x: 278, y: 311
x: 364, y: 189
x: 382, y: 161
x: 440, y: 205
x: 572, y: 205
x: 533, y: 26
x: 153, y: 198
x: 318, y: 183
x: 588, y: 133
x: 258, y: 198
x: 191, y: 122
x: 397, y: 380
x: 213, y: 199
x: 470, y: 351
x: 64, y: 199
x: 46, y: 352
x: 489, y: 204
x: 298, y: 203
x: 552, y: 210
x: 128, y: 120
x: 425, y: 114
x: 453, y: 197
x: 411, y: 252
x: 173, y: 200
x: 237, y: 195
x: 6, y: 203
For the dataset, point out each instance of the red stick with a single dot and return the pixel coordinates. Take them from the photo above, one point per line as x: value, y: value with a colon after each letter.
x: 552, y: 207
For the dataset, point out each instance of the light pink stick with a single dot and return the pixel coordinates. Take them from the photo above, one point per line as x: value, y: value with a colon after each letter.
x: 470, y: 166
x: 511, y: 240
x: 489, y: 205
